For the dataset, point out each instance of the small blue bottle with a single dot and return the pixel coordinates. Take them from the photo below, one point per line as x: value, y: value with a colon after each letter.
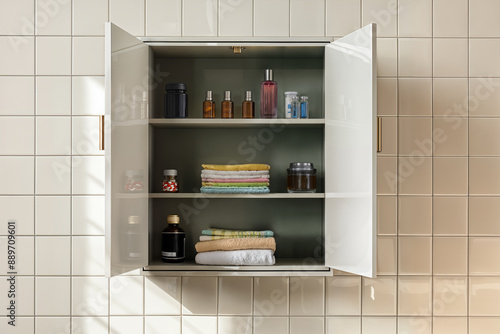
x: 295, y: 107
x: 304, y: 107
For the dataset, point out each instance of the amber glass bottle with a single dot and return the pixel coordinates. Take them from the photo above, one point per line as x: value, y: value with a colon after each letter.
x: 173, y: 241
x: 227, y: 109
x: 209, y: 106
x: 248, y: 106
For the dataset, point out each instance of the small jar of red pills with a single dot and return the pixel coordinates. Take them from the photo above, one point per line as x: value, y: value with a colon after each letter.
x: 170, y: 183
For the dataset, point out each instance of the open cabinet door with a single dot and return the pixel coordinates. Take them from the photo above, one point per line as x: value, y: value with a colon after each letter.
x: 126, y: 145
x: 350, y: 153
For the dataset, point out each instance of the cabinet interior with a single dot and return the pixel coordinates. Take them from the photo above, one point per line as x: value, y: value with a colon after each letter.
x: 298, y: 223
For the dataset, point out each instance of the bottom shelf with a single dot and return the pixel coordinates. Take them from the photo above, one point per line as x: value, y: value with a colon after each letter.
x: 283, y: 267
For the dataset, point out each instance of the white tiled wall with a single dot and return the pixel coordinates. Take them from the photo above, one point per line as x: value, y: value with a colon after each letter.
x: 439, y: 172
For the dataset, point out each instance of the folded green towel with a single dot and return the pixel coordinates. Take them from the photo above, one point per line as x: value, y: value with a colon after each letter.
x: 234, y: 190
x: 237, y: 233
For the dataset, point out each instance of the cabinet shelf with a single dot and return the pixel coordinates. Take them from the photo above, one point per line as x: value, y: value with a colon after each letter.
x: 288, y: 266
x: 233, y: 122
x: 271, y: 195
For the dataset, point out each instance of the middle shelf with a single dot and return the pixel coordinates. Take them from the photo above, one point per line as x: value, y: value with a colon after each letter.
x: 202, y: 195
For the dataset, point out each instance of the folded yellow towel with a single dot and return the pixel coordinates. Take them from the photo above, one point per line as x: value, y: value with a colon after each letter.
x: 237, y: 167
x: 235, y: 244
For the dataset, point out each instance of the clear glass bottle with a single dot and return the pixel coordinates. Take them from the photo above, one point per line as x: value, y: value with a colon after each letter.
x: 269, y: 96
x: 248, y: 106
x: 304, y: 107
x: 227, y: 108
x: 173, y: 241
x: 209, y: 106
x: 295, y: 107
x: 170, y: 183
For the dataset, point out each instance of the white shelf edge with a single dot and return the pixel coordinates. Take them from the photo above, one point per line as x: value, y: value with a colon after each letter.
x: 203, y: 195
x: 204, y: 122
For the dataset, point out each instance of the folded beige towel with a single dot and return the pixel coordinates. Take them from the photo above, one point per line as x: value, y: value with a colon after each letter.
x: 245, y: 167
x: 235, y: 244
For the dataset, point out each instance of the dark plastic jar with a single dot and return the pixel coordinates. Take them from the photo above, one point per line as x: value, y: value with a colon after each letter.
x: 176, y: 100
x: 173, y: 241
x: 301, y: 178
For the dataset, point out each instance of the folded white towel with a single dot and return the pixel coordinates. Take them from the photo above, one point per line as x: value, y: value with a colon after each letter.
x: 241, y: 174
x: 249, y: 257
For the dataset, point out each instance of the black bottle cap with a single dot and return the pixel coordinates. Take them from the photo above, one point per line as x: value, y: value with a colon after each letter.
x: 175, y: 86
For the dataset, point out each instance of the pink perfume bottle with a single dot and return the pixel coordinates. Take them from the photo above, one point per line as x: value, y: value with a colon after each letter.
x: 269, y: 96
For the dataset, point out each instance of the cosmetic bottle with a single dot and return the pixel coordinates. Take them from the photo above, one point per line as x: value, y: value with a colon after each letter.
x: 295, y: 107
x: 269, y: 96
x: 304, y: 107
x: 288, y: 103
x: 227, y: 109
x: 209, y: 106
x: 248, y: 106
x: 173, y: 241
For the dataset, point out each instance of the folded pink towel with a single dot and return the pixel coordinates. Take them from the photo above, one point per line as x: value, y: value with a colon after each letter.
x: 212, y: 180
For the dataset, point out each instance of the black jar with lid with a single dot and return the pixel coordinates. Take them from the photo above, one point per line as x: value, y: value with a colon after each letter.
x: 175, y: 100
x: 301, y: 177
x: 173, y: 241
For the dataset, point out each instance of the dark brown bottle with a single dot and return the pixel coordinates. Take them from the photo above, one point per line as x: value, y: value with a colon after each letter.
x: 173, y: 241
x: 227, y: 110
x: 248, y: 106
x: 209, y: 106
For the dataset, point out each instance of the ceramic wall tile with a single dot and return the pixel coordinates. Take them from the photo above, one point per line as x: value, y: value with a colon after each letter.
x: 450, y: 296
x: 17, y: 175
x: 484, y: 18
x: 382, y: 12
x: 484, y: 176
x: 128, y: 15
x: 163, y: 18
x: 481, y: 261
x: 17, y: 56
x: 307, y: 17
x: 16, y: 135
x: 53, y: 95
x: 414, y: 296
x: 271, y: 296
x: 343, y: 295
x: 235, y: 295
x: 306, y: 294
x: 450, y: 176
x: 484, y: 138
x: 450, y: 216
x: 483, y: 296
x: 415, y: 18
x: 17, y: 96
x: 379, y: 296
x: 415, y: 97
x: 199, y: 295
x: 450, y: 18
x: 450, y: 255
x: 22, y: 209
x: 53, y: 17
x: 415, y: 256
x: 450, y: 97
x: 450, y: 57
x: 415, y: 57
x: 342, y: 17
x: 415, y: 215
x: 89, y: 17
x: 484, y: 97
x: 483, y: 216
x: 484, y: 58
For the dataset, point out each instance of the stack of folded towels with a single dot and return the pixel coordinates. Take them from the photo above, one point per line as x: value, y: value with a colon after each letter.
x: 235, y: 248
x: 235, y: 179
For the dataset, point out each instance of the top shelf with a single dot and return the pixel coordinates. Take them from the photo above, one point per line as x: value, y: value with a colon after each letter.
x: 233, y: 122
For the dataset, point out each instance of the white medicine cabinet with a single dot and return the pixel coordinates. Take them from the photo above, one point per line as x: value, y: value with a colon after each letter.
x: 316, y: 233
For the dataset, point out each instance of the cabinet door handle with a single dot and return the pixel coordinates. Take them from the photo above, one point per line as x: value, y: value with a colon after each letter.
x: 101, y: 132
x: 379, y: 134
